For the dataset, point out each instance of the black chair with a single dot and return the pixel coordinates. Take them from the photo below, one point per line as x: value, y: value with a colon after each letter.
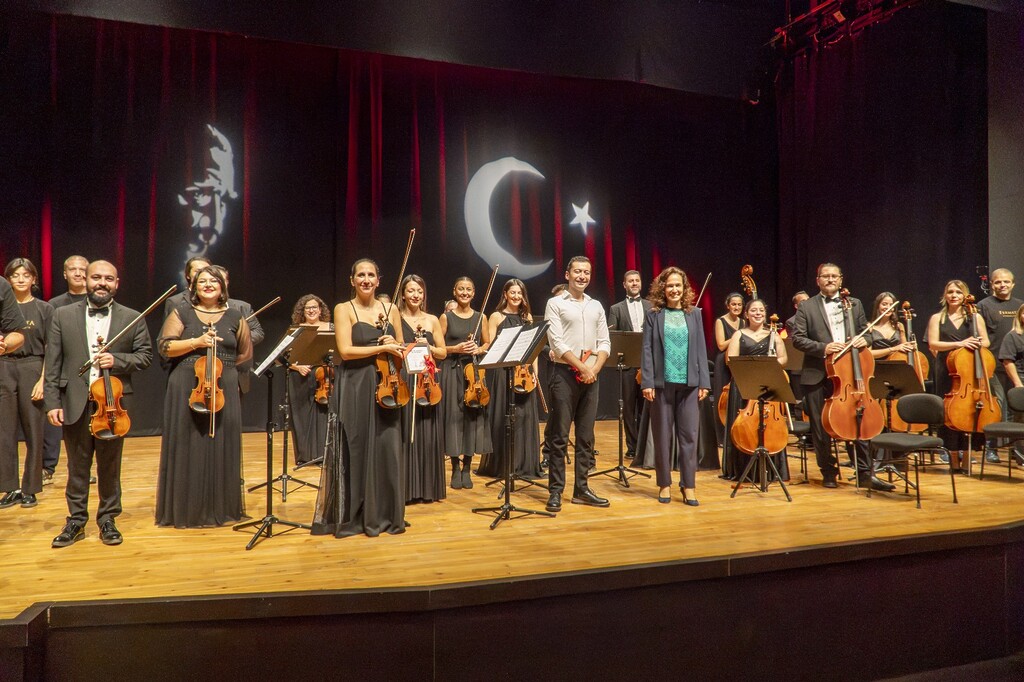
x: 1013, y: 432
x: 801, y: 431
x: 909, y: 448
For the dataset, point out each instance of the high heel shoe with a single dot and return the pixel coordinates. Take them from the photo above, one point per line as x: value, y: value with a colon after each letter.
x: 687, y: 501
x: 667, y: 497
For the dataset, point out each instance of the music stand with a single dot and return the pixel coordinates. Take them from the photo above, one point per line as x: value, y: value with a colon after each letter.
x: 761, y: 376
x: 513, y: 346
x: 626, y: 347
x: 892, y: 380
x: 322, y: 350
x: 297, y: 338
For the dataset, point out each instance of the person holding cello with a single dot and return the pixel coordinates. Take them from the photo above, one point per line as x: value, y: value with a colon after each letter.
x: 71, y: 343
x: 310, y: 388
x: 199, y: 482
x: 819, y: 330
x: 365, y: 492
x: 949, y: 330
x: 467, y: 429
x: 756, y: 338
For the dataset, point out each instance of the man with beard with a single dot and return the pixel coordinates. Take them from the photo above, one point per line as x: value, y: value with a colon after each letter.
x: 628, y: 316
x: 71, y: 343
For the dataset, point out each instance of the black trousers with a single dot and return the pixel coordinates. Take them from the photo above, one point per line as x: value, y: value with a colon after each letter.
x: 571, y: 403
x: 814, y: 401
x: 81, y: 447
x: 631, y: 408
x: 17, y: 377
x: 675, y: 414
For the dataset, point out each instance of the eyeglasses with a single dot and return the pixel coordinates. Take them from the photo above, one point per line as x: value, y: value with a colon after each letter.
x: 830, y: 277
x: 311, y: 307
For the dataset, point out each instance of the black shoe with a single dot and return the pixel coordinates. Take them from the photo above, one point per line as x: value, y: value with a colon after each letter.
x: 876, y: 483
x: 28, y: 501
x: 109, y: 534
x: 991, y: 456
x: 588, y: 497
x: 467, y: 480
x: 554, y: 502
x: 687, y: 501
x: 71, y: 534
x: 543, y: 465
x: 829, y: 481
x: 10, y: 499
x: 456, y: 476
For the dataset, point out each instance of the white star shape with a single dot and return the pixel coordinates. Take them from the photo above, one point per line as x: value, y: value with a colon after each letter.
x: 582, y: 217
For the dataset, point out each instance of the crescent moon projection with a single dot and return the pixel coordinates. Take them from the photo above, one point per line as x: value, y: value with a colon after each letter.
x: 478, y: 217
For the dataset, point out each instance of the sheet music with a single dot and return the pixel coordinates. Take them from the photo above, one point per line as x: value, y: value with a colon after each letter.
x: 285, y: 342
x: 522, y: 344
x: 500, y: 345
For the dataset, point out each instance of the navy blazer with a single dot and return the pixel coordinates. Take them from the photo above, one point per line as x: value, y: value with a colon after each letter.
x: 652, y: 363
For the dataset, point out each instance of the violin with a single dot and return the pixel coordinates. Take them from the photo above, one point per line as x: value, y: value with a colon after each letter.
x: 476, y: 394
x: 324, y: 375
x: 585, y: 359
x: 915, y: 359
x: 970, y: 405
x: 850, y: 413
x: 523, y: 380
x: 392, y: 391
x: 428, y: 390
x: 110, y: 420
x: 208, y: 397
x: 746, y: 425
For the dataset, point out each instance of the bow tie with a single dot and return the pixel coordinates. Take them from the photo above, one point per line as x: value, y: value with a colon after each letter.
x: 633, y: 299
x: 98, y: 312
x: 832, y: 300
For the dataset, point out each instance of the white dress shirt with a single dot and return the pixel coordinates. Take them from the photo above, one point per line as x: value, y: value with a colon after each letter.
x: 576, y: 326
x: 834, y: 312
x: 95, y: 327
x: 636, y: 313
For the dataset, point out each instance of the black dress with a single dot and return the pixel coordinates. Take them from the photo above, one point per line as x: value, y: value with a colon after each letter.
x: 361, y: 487
x: 953, y: 440
x: 308, y: 417
x: 200, y: 479
x: 722, y: 376
x: 526, y: 461
x: 424, y: 477
x: 467, y: 430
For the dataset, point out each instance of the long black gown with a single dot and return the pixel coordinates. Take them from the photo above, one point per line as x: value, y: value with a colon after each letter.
x: 526, y: 461
x: 200, y: 479
x: 308, y: 417
x: 722, y: 377
x: 362, y: 489
x: 424, y: 479
x: 466, y: 429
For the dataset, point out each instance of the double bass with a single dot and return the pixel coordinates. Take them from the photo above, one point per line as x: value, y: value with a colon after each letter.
x: 110, y: 420
x: 850, y: 413
x: 970, y: 405
x: 745, y: 426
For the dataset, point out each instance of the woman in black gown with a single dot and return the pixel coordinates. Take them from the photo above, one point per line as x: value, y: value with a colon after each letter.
x: 725, y: 327
x: 308, y: 416
x: 200, y: 479
x: 424, y: 478
x: 363, y: 491
x: 467, y: 430
x: 948, y: 330
x: 513, y: 311
x: 754, y: 338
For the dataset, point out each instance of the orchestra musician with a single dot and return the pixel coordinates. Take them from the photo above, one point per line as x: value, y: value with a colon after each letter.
x: 256, y: 332
x: 628, y: 315
x: 798, y: 298
x: 578, y: 333
x: 21, y: 391
x: 467, y: 430
x: 70, y: 344
x: 1011, y: 355
x: 365, y: 492
x: 424, y: 477
x: 948, y: 330
x: 818, y: 331
x: 199, y: 482
x: 726, y: 327
x: 308, y: 416
x: 192, y: 266
x: 512, y: 311
x: 674, y: 376
x: 999, y: 310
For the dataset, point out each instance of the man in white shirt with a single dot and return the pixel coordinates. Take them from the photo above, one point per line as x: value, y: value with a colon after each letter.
x: 579, y: 341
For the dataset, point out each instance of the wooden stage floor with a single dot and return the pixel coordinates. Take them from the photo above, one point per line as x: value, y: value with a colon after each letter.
x: 447, y: 544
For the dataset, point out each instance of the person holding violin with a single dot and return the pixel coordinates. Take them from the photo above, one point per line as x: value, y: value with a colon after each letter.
x: 755, y: 338
x: 424, y: 478
x: 725, y: 327
x: 999, y: 310
x: 365, y: 493
x: 674, y: 378
x: 21, y: 391
x: 308, y: 413
x: 513, y: 311
x: 819, y: 330
x: 467, y: 429
x: 71, y: 343
x: 199, y: 482
x: 948, y: 330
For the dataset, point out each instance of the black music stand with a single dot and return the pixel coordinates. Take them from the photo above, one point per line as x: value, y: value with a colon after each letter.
x: 297, y: 338
x: 321, y: 351
x: 513, y: 346
x: 892, y: 380
x: 761, y: 376
x: 626, y: 347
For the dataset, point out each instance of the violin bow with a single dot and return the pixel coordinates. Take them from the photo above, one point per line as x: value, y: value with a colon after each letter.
x: 483, y: 303
x: 701, y: 294
x: 871, y: 325
x: 401, y: 273
x: 250, y: 318
x: 103, y: 349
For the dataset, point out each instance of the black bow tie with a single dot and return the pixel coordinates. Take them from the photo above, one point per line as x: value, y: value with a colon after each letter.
x: 832, y: 300
x: 98, y: 312
x: 632, y: 299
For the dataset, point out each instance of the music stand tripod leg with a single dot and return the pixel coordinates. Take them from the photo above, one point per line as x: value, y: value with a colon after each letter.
x: 622, y: 472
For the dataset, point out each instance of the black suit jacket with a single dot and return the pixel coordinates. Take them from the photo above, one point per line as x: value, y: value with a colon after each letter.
x: 652, y: 364
x: 812, y: 332
x: 618, y: 315
x: 67, y: 350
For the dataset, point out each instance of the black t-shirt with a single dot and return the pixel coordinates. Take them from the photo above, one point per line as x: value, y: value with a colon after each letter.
x: 37, y: 316
x: 1013, y: 349
x: 11, y: 319
x: 67, y: 298
x: 998, y: 316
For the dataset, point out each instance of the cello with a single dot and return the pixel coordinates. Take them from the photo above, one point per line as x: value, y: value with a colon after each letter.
x: 850, y: 413
x: 110, y: 420
x: 745, y: 426
x: 970, y: 405
x: 915, y: 359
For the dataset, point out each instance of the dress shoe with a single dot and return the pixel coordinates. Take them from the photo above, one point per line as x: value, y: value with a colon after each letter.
x: 588, y: 497
x: 71, y: 534
x: 456, y: 477
x: 690, y: 502
x: 554, y: 502
x: 467, y: 480
x: 944, y: 458
x: 47, y: 477
x: 666, y: 498
x: 10, y: 499
x: 109, y: 534
x: 991, y: 456
x: 829, y: 481
x: 876, y: 483
x: 28, y: 501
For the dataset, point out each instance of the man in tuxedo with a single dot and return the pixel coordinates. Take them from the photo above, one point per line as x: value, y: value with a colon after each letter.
x: 628, y: 316
x: 192, y: 266
x: 70, y: 345
x: 818, y: 331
